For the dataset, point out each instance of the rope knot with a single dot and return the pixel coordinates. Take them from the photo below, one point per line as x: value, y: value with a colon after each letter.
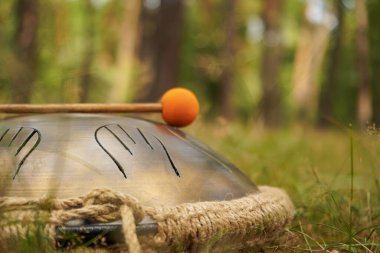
x: 128, y: 208
x: 118, y: 200
x: 103, y: 196
x: 103, y: 205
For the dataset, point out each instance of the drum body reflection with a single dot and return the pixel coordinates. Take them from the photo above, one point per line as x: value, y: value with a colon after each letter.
x: 67, y: 155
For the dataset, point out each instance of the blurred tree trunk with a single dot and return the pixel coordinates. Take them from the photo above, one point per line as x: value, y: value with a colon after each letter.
x: 148, y: 24
x: 23, y: 73
x: 311, y: 50
x: 121, y: 89
x: 271, y: 62
x: 85, y: 82
x: 228, y: 57
x: 364, y: 112
x: 374, y: 40
x: 166, y: 49
x: 328, y: 89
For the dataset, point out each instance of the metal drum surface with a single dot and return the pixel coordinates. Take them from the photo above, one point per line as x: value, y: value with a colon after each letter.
x: 68, y: 155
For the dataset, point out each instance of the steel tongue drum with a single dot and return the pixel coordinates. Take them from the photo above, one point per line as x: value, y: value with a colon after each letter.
x: 72, y: 153
x: 66, y: 151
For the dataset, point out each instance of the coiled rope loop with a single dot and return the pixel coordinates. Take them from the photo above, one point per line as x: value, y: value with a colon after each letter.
x: 256, y: 219
x: 99, y: 205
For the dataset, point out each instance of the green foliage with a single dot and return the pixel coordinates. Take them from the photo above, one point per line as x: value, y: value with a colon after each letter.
x: 62, y: 43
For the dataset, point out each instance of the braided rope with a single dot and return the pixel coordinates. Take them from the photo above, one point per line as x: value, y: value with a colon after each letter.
x: 251, y: 220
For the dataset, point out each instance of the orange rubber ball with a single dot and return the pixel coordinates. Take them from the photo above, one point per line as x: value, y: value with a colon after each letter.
x: 180, y: 107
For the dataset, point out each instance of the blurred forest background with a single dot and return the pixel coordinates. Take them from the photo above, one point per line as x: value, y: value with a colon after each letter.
x: 284, y: 65
x: 272, y: 61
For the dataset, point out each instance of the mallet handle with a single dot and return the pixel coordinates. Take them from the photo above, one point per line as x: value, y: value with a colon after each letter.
x: 84, y: 108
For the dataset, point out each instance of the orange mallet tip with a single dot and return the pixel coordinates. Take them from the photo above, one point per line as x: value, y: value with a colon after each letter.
x: 180, y: 107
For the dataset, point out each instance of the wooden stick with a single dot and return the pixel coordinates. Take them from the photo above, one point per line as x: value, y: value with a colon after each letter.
x: 84, y: 108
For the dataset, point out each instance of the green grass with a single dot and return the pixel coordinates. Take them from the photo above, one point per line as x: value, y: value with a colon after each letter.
x: 332, y: 176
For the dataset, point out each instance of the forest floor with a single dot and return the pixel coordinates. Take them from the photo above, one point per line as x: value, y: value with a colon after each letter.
x: 333, y: 177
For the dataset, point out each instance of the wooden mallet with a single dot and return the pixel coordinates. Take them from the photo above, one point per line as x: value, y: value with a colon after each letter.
x: 179, y: 107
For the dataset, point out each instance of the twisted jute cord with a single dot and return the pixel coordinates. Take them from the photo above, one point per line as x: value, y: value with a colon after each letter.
x: 244, y: 222
x: 100, y: 205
